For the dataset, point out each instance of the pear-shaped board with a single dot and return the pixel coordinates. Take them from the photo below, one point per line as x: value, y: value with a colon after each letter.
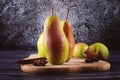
x: 73, y: 66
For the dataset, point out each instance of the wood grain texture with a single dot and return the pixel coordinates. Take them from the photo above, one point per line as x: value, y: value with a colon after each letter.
x: 73, y: 66
x: 11, y: 71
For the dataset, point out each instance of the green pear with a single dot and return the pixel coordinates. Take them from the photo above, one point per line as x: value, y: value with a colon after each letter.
x: 40, y: 45
x: 56, y: 43
x: 80, y: 50
x: 98, y: 50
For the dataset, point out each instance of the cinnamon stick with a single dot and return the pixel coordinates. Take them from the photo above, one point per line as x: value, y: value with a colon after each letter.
x: 28, y: 61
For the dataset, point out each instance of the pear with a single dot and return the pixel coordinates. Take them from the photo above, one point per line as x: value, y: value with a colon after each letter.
x: 69, y: 34
x: 56, y: 43
x: 98, y: 50
x: 40, y: 45
x: 80, y: 50
x: 68, y: 30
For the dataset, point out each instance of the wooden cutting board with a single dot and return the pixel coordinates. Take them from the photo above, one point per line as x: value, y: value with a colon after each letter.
x: 73, y: 66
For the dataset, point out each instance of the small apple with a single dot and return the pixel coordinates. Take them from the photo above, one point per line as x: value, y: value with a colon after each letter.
x: 97, y: 50
x: 80, y: 50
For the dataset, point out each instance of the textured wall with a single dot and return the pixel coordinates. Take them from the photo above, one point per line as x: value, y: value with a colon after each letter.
x: 21, y: 21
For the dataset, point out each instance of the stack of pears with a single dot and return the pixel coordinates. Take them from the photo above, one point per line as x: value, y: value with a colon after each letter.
x: 56, y: 42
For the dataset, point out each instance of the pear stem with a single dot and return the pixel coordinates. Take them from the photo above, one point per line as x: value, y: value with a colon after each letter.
x: 67, y: 14
x: 52, y: 11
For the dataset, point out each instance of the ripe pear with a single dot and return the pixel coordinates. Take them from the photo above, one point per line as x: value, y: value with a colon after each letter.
x: 68, y: 30
x: 56, y: 43
x: 80, y: 50
x: 98, y: 50
x: 40, y: 45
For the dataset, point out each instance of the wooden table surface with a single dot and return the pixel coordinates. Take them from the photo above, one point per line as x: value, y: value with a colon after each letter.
x: 11, y: 71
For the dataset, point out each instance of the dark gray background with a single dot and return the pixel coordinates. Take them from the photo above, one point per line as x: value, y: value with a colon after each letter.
x: 21, y: 21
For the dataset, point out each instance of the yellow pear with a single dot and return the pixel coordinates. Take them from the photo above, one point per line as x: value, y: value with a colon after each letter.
x: 56, y: 43
x: 40, y: 45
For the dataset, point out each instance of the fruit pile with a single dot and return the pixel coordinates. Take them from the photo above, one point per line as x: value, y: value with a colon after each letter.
x: 92, y: 53
x: 56, y: 42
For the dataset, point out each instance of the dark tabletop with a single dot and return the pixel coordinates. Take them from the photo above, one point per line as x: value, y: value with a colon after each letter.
x: 11, y: 71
